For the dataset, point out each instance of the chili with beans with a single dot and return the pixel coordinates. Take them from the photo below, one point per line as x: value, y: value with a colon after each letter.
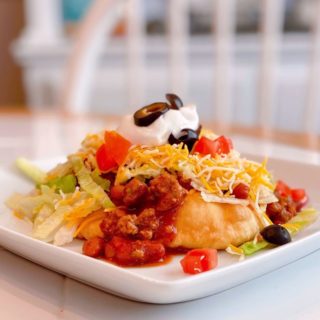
x: 137, y: 231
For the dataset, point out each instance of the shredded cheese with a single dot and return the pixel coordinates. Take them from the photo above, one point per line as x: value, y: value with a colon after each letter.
x: 231, y: 249
x: 211, y: 175
x: 82, y: 209
x: 98, y: 215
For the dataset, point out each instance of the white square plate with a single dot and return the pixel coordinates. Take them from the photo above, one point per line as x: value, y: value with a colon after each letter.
x: 166, y: 283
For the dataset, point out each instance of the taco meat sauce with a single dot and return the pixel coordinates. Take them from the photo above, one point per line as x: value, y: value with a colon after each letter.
x: 144, y: 222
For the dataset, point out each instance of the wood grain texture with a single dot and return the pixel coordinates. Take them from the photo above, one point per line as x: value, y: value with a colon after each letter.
x: 11, y: 23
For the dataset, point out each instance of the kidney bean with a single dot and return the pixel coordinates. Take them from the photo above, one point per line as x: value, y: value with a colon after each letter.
x: 93, y: 247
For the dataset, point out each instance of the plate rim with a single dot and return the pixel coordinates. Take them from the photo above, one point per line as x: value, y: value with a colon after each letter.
x: 175, y: 285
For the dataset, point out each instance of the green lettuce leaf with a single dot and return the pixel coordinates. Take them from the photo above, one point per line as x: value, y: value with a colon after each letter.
x: 47, y: 229
x: 66, y: 184
x: 31, y: 171
x: 87, y: 183
x: 303, y: 219
x: 251, y: 247
x: 29, y: 206
x: 103, y: 183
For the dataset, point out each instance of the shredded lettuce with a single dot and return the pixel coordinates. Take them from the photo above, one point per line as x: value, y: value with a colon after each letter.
x: 103, y: 183
x: 64, y: 235
x: 301, y: 220
x: 29, y: 206
x: 55, y: 223
x: 87, y: 183
x: 45, y: 211
x: 251, y: 247
x: 31, y: 171
x: 60, y: 170
x: 66, y: 184
x: 47, y: 229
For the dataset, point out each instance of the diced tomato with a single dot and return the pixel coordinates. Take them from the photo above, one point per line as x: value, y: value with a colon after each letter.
x: 104, y: 158
x: 113, y: 152
x: 302, y: 203
x: 199, y: 260
x: 282, y: 189
x: 298, y: 194
x: 221, y: 145
x: 117, y: 145
x: 204, y: 146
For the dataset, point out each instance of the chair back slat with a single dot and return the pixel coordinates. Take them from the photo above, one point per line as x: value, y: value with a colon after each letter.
x: 178, y: 33
x: 43, y: 22
x: 313, y: 92
x: 135, y: 53
x: 98, y: 25
x: 104, y: 14
x: 271, y: 29
x: 224, y: 29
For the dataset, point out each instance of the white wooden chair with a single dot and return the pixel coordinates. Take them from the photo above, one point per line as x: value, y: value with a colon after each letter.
x: 105, y: 13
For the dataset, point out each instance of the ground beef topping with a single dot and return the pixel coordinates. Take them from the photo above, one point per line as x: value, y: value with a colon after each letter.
x: 282, y: 211
x: 137, y: 231
x: 167, y: 191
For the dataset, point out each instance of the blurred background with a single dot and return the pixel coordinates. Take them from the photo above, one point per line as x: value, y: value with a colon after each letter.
x: 37, y: 38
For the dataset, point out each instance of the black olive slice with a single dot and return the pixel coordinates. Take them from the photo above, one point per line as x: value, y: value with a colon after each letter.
x: 276, y: 234
x: 148, y: 114
x: 188, y: 136
x: 174, y: 101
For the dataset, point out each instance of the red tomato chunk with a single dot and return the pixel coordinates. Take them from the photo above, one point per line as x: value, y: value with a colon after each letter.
x: 104, y: 158
x: 221, y: 145
x: 113, y: 152
x: 199, y: 260
x: 117, y: 145
x: 298, y: 194
x: 282, y: 189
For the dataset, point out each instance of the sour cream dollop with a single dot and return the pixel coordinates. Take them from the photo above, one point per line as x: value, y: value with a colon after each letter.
x: 158, y: 132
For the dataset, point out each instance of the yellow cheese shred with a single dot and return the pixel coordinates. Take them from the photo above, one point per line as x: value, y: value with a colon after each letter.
x: 215, y: 175
x: 89, y: 219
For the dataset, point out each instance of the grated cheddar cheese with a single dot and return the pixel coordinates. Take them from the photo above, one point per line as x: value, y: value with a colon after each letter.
x: 210, y: 175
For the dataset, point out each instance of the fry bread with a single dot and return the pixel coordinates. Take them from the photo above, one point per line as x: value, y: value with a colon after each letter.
x: 203, y: 224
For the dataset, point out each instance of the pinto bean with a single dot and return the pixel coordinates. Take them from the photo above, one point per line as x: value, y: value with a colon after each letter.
x: 282, y: 211
x: 134, y: 193
x: 126, y: 252
x: 241, y: 191
x: 116, y: 193
x: 93, y: 247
